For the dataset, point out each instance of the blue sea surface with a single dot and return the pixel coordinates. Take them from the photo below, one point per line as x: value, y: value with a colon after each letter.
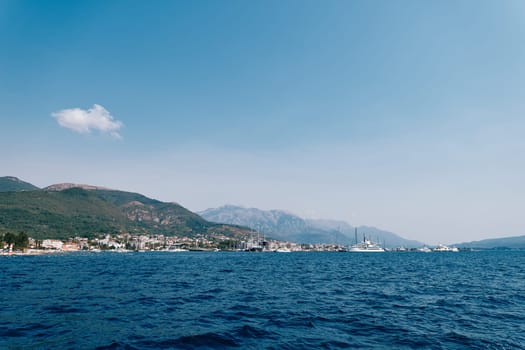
x: 201, y: 300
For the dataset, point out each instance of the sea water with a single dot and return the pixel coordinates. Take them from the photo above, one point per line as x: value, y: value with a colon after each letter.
x: 201, y: 300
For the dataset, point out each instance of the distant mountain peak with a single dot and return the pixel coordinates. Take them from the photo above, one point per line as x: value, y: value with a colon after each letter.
x: 282, y: 225
x: 12, y: 183
x: 12, y: 178
x: 66, y: 186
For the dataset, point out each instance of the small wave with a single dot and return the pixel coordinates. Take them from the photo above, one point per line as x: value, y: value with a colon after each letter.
x: 8, y: 332
x: 226, y: 271
x: 22, y: 331
x: 116, y: 346
x: 334, y: 344
x: 146, y: 301
x: 247, y: 331
x: 215, y: 291
x: 63, y: 309
x: 458, y: 338
x: 206, y: 340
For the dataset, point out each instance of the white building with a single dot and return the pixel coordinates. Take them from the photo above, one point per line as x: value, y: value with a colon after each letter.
x: 52, y: 244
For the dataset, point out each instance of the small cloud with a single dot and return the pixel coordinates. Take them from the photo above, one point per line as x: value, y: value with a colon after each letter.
x: 84, y: 121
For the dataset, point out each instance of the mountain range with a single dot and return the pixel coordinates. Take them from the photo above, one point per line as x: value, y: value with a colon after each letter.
x: 285, y: 226
x: 69, y: 210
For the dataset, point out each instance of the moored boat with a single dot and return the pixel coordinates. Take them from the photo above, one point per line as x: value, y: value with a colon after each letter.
x: 444, y: 248
x: 283, y: 250
x: 367, y: 246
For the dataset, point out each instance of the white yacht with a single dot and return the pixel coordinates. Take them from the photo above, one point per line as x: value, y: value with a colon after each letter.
x: 424, y: 249
x: 444, y: 248
x: 175, y: 249
x: 283, y: 250
x: 367, y: 246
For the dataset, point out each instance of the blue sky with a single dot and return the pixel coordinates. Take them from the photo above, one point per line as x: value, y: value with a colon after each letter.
x: 406, y: 115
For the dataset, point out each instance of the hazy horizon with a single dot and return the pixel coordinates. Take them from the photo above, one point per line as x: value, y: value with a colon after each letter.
x: 407, y: 116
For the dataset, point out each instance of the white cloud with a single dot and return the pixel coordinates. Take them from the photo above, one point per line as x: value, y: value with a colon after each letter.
x: 84, y: 121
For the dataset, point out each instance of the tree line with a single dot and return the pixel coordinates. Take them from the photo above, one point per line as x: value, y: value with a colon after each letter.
x: 18, y: 240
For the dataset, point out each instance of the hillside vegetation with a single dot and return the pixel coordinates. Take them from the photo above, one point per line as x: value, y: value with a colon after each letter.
x: 89, y: 213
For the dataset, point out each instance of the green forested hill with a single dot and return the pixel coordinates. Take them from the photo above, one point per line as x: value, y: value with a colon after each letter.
x: 87, y: 213
x: 151, y: 215
x: 11, y: 183
x: 53, y: 214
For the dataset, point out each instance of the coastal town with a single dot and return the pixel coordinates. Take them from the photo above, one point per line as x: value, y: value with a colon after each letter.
x: 11, y: 244
x: 142, y: 243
